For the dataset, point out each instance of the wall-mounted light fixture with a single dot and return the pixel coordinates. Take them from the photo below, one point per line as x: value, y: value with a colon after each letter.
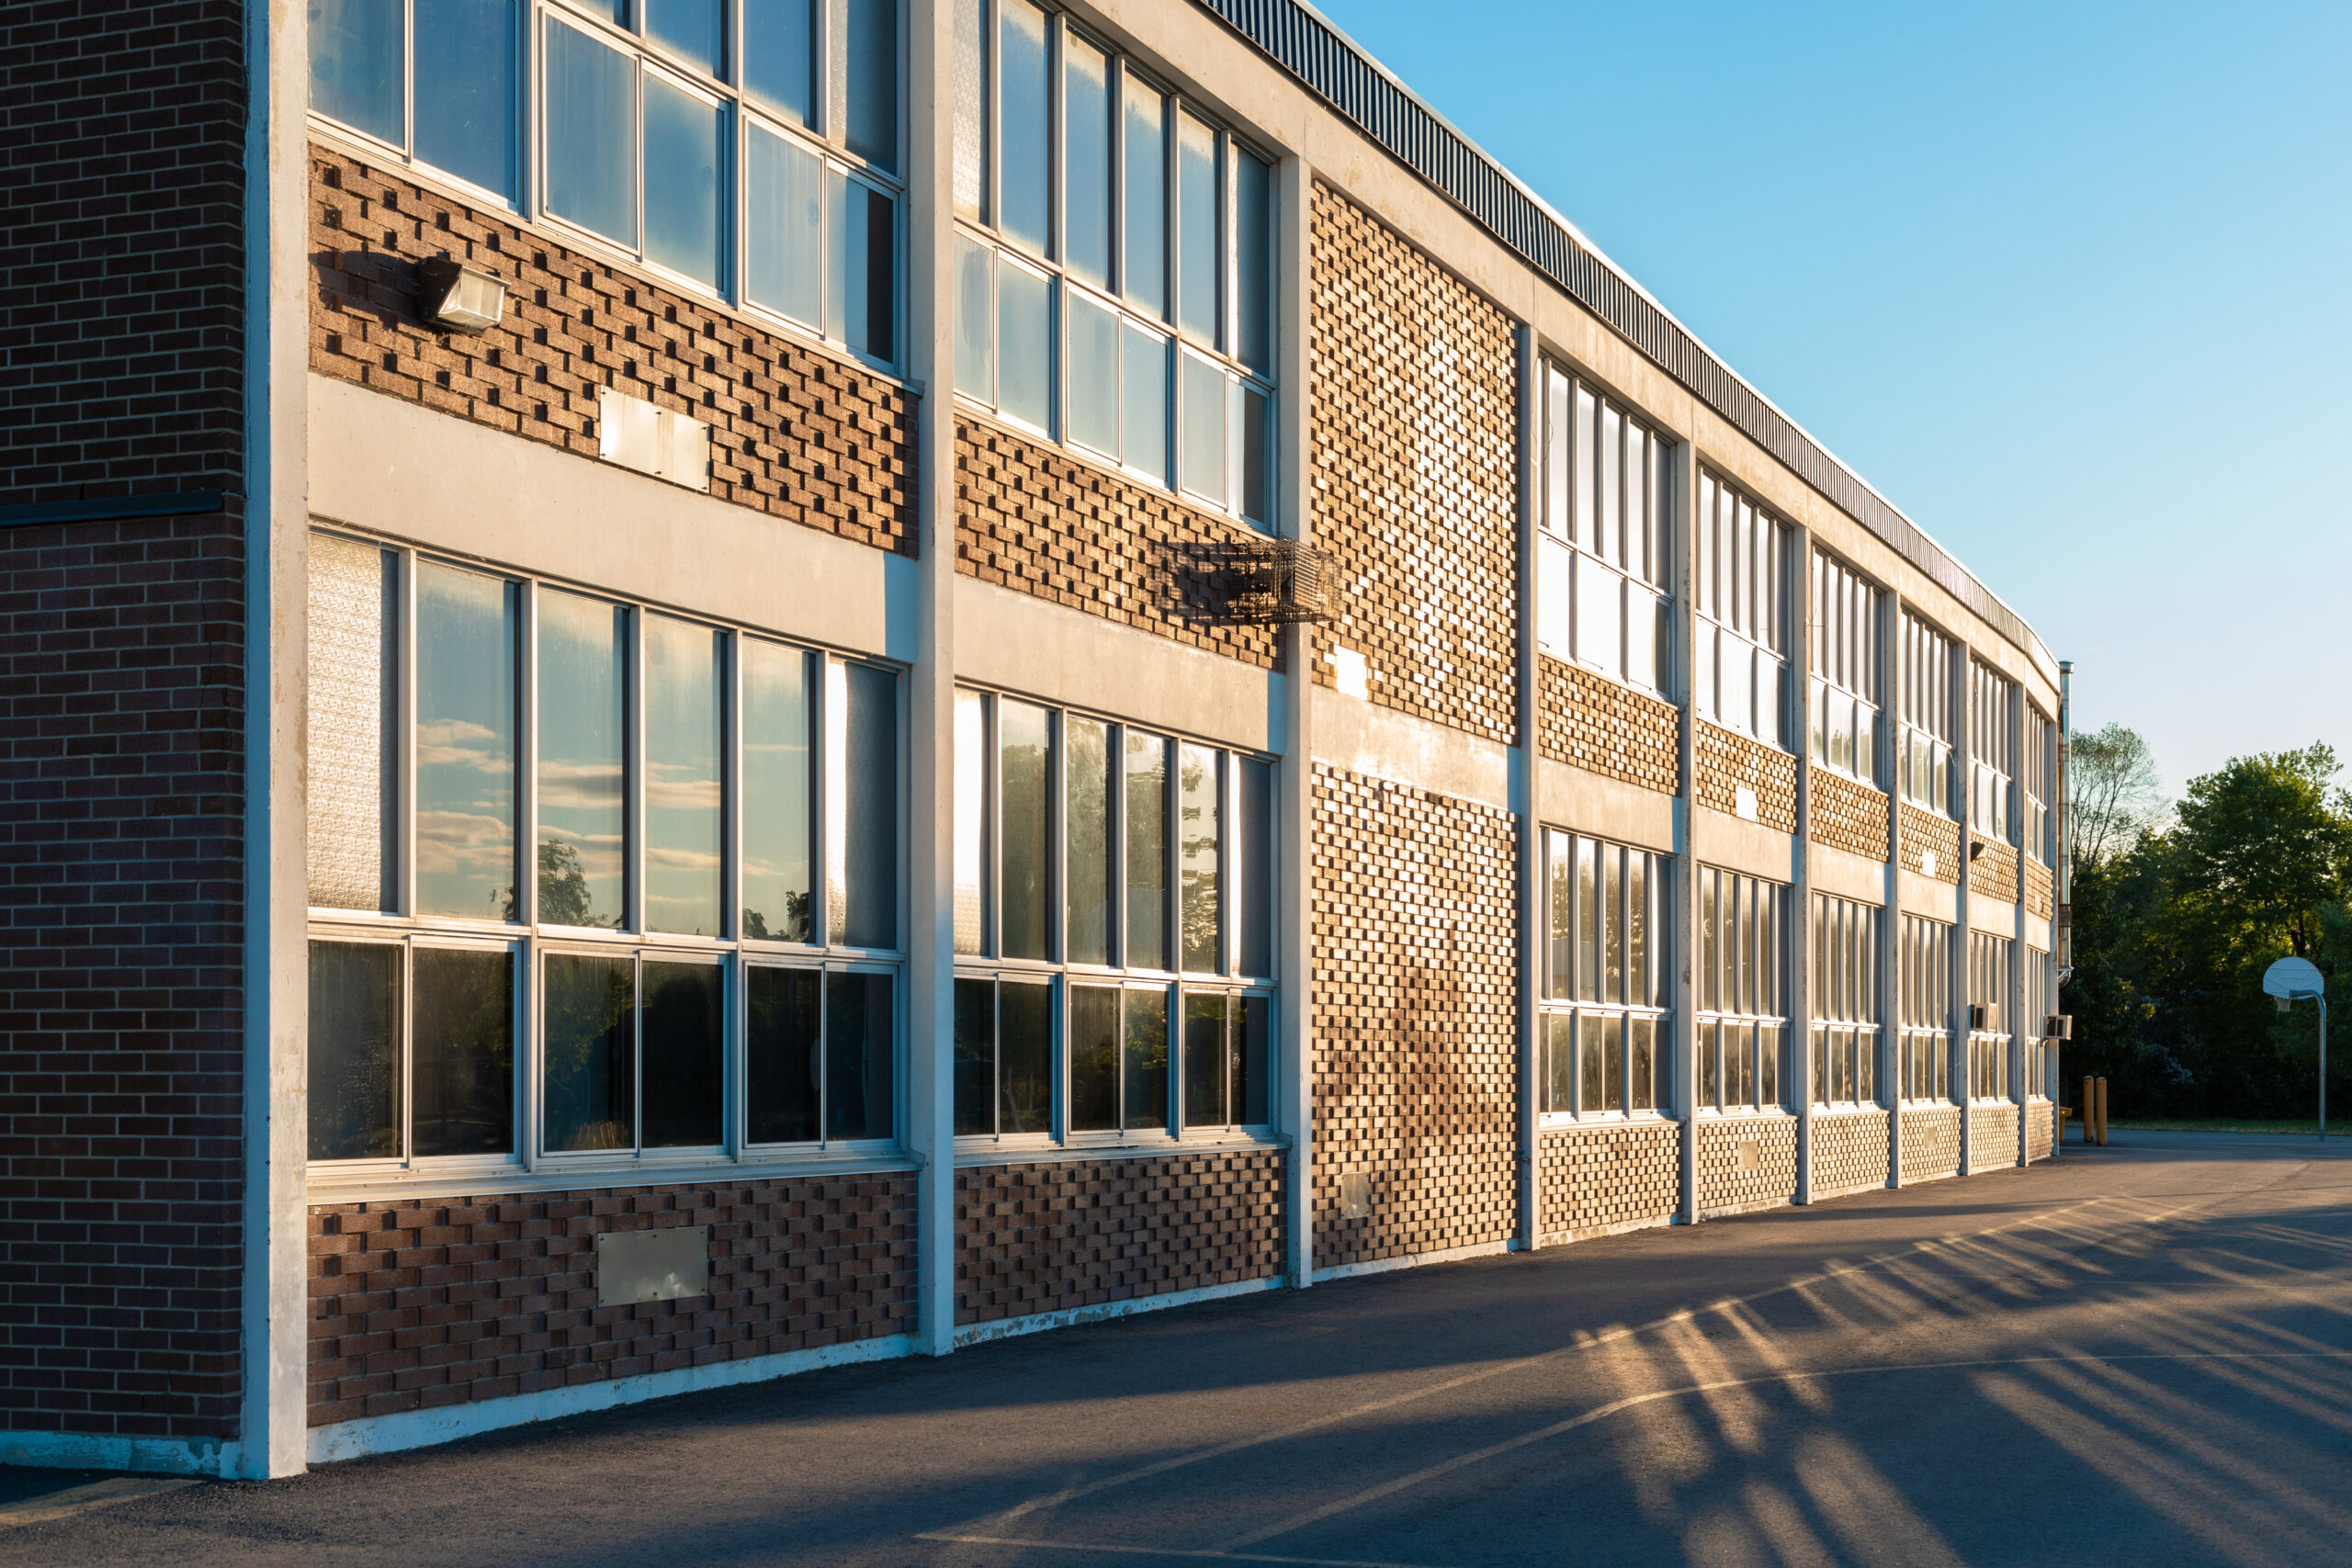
x: 457, y: 298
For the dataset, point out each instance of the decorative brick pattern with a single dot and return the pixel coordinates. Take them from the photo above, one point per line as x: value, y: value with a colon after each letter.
x: 1030, y: 518
x: 1606, y: 1177
x: 1414, y: 456
x: 1416, y: 981
x: 1930, y: 1142
x: 795, y: 433
x: 1746, y: 1162
x: 2040, y: 1126
x: 1850, y: 1152
x: 1727, y: 760
x: 2040, y: 890
x: 1993, y: 874
x: 1930, y: 831
x: 420, y: 1304
x: 1590, y: 722
x: 1992, y: 1137
x: 1846, y: 815
x: 121, y: 964
x: 1036, y: 1238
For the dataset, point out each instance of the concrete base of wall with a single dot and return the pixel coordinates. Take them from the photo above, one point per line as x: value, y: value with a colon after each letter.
x: 1593, y: 1232
x: 1038, y: 1323
x: 1415, y: 1260
x: 158, y: 1455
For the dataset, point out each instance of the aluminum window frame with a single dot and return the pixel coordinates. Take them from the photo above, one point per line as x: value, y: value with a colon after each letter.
x: 1560, y: 485
x: 1770, y: 974
x: 1723, y: 508
x: 1569, y: 1003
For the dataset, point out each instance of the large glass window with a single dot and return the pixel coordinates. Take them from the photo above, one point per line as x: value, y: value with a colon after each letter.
x: 2041, y: 978
x: 1603, y: 557
x: 436, y: 81
x: 1924, y: 758
x: 1925, y: 956
x: 1155, y: 286
x: 1845, y: 670
x: 1740, y: 670
x: 1988, y: 1031
x: 1845, y: 1000
x: 412, y: 1050
x: 2038, y: 786
x: 1604, y: 1035
x: 1991, y: 756
x: 1742, y: 995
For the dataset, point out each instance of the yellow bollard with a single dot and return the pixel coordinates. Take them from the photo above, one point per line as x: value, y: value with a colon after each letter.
x: 2102, y: 1114
x: 2090, y: 1123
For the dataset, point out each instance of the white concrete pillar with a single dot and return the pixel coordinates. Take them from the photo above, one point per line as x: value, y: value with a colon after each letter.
x: 1527, y: 796
x: 1684, y: 1053
x: 1294, y: 1113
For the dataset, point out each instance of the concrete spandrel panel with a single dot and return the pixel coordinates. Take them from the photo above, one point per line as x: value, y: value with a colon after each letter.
x: 652, y: 1266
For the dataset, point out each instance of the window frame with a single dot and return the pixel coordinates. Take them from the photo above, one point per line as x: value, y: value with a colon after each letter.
x: 1925, y: 1018
x: 1723, y: 508
x: 1990, y: 958
x: 1863, y: 1022
x: 1845, y: 615
x: 1571, y: 1006
x: 1992, y: 760
x: 1561, y: 487
x: 1924, y: 674
x: 1712, y: 1060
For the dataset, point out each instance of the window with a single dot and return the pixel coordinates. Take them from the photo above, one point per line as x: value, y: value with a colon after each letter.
x: 1845, y: 670
x: 1845, y: 1001
x: 1114, y: 928
x: 1604, y: 1025
x: 1988, y: 989
x: 2038, y: 786
x: 1740, y: 666
x: 693, y: 135
x: 711, y: 880
x: 1743, y: 1002
x: 1114, y: 268
x: 2041, y: 1052
x: 1990, y: 757
x: 1924, y: 758
x: 1926, y: 959
x: 1602, y: 558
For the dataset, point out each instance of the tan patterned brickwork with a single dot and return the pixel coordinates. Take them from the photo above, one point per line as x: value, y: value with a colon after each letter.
x: 1931, y: 830
x: 1992, y: 1137
x: 1040, y: 522
x: 1590, y: 722
x: 1930, y: 1142
x: 1037, y: 1239
x: 1846, y: 816
x: 2040, y: 1125
x: 795, y: 433
x: 1415, y: 1068
x: 1604, y: 1177
x: 1413, y: 441
x: 1850, y: 1152
x: 2040, y: 890
x: 418, y: 1305
x: 1727, y: 760
x: 1746, y: 1162
x: 1993, y: 874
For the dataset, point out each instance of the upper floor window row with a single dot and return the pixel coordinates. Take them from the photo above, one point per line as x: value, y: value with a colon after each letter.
x: 2037, y: 782
x: 1740, y: 667
x: 1603, y: 560
x: 747, y: 150
x: 1845, y: 670
x: 1991, y: 757
x: 1923, y: 759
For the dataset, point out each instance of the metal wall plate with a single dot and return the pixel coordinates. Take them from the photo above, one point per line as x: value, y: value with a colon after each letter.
x: 652, y: 1266
x: 1355, y: 1196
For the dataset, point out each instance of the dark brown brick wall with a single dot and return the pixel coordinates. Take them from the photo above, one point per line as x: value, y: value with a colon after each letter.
x: 1033, y: 519
x: 1595, y: 724
x: 1415, y: 1068
x: 1727, y: 760
x: 1849, y: 1150
x: 422, y: 1303
x: 1746, y: 1162
x: 1608, y: 1176
x: 1039, y: 1238
x: 122, y: 243
x: 1413, y: 453
x: 121, y: 1012
x: 795, y: 433
x: 1995, y: 873
x: 1931, y: 830
x: 1846, y: 816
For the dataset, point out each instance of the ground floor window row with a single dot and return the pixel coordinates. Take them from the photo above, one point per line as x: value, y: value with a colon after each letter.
x: 1742, y: 995
x: 1604, y: 1034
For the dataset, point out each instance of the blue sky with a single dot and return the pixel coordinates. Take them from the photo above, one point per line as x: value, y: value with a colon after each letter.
x: 2066, y: 282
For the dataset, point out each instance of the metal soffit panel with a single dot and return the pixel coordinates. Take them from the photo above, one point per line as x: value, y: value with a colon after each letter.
x: 1329, y: 64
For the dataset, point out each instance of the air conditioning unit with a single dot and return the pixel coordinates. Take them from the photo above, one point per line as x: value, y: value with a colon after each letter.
x: 1274, y: 580
x: 2058, y: 1026
x: 1980, y: 1018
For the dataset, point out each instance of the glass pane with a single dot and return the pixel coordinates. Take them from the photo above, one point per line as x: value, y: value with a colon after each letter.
x: 588, y: 1032
x: 1613, y: 1062
x: 975, y: 320
x: 873, y: 88
x: 354, y: 592
x: 591, y: 133
x: 1025, y: 338
x: 462, y: 1082
x: 779, y: 49
x: 784, y: 251
x: 1711, y: 1066
x: 1612, y: 924
x: 465, y: 89
x: 1253, y: 1063
x: 1253, y: 892
x: 781, y: 1038
x: 1637, y: 505
x: 680, y: 1041
x: 1584, y: 467
x: 1143, y: 1060
x: 1092, y: 851
x: 775, y: 792
x: 975, y: 1058
x: 582, y: 807
x: 1025, y: 845
x: 859, y: 1028
x: 1144, y: 422
x: 683, y: 724
x: 1641, y: 969
x: 1147, y: 811
x: 1587, y: 923
x: 1199, y: 836
x: 971, y: 819
x: 1024, y: 1057
x: 1197, y: 237
x: 1146, y: 258
x: 1644, y: 621
x: 468, y: 638
x: 1560, y: 906
x: 1093, y: 1058
x: 353, y: 1098
x: 1204, y: 419
x: 1593, y: 1074
x: 1252, y: 438
x: 1610, y: 533
x: 1093, y: 375
x: 1024, y: 149
x: 1086, y: 160
x: 1599, y: 598
x: 1559, y: 1063
x: 694, y: 31
x: 1641, y: 1082
x: 863, y: 780
x: 864, y: 298
x: 1205, y: 1075
x: 356, y: 69
x: 1253, y: 231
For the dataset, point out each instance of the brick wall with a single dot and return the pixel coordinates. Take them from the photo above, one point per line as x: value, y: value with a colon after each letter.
x: 122, y: 1012
x: 2039, y: 894
x: 1413, y: 449
x: 1415, y: 1068
x: 795, y: 433
x: 1992, y: 1137
x: 1607, y: 1176
x: 1849, y: 1150
x: 1590, y: 722
x: 2041, y: 1125
x: 1930, y: 1142
x: 1727, y: 760
x: 1039, y: 1238
x: 1925, y: 831
x: 424, y: 1304
x: 1995, y: 873
x: 1030, y: 518
x: 1846, y: 815
x: 1746, y: 1162
x: 122, y: 241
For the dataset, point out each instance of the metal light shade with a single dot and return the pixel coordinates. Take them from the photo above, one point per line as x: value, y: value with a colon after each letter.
x: 458, y: 298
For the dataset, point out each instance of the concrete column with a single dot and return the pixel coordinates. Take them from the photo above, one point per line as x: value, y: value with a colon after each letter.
x: 1294, y: 1113
x: 1527, y: 796
x: 1962, y: 763
x: 1890, y: 668
x: 1798, y: 925
x: 2013, y: 1006
x: 1684, y: 1052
